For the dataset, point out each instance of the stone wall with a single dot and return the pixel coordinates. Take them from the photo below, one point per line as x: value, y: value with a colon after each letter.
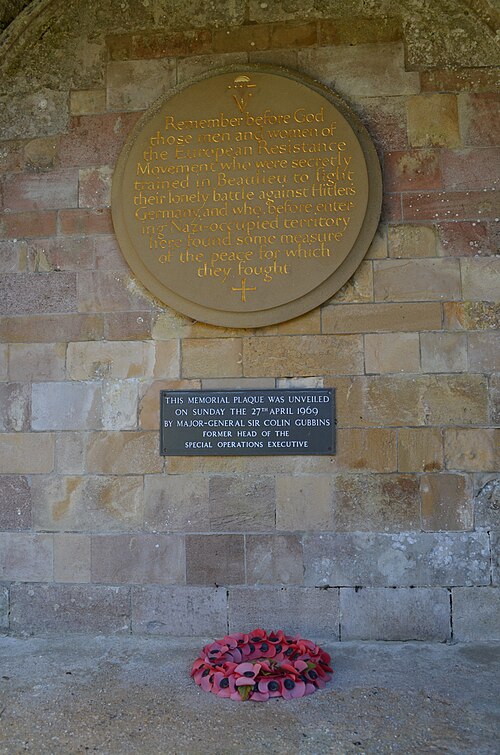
x: 392, y: 538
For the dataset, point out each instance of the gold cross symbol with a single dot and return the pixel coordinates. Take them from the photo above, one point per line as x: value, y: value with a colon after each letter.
x: 244, y: 289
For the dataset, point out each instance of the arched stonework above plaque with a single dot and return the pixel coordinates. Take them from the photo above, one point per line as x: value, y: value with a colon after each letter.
x: 248, y: 197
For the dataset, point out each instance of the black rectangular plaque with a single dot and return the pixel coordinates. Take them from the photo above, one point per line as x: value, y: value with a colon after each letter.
x: 247, y: 422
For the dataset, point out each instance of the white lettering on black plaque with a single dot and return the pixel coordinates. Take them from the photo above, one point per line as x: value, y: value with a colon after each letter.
x: 247, y: 423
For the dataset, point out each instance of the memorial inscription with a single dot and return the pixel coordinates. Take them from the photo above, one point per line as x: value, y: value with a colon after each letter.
x: 247, y: 423
x: 247, y: 198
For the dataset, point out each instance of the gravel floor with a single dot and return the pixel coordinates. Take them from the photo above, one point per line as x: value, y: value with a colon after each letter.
x: 134, y: 695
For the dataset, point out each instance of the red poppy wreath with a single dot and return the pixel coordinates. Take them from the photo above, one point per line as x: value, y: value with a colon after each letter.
x: 258, y: 666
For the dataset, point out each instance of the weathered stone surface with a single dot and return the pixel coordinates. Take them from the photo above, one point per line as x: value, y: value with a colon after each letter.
x: 33, y: 114
x: 363, y: 70
x: 158, y: 44
x: 433, y: 120
x: 443, y: 352
x: 480, y: 278
x: 416, y: 280
x: 314, y: 355
x: 87, y: 101
x: 167, y: 360
x: 399, y: 560
x: 372, y: 449
x: 119, y: 402
x: 376, y: 503
x: 304, y: 502
x: 487, y: 504
x: 191, y: 67
x: 71, y: 557
x: 14, y: 407
x: 66, y: 406
x: 69, y: 253
x: 450, y: 205
x: 138, y: 559
x: 484, y: 352
x: 274, y: 559
x: 95, y: 140
x: 26, y: 453
x: 37, y: 293
x: 4, y: 608
x: 310, y: 612
x: 110, y: 291
x: 187, y: 611
x: 176, y: 503
x: 469, y: 169
x: 476, y: 613
x: 410, y: 241
x: 465, y: 239
x: 381, y: 318
x: 479, y: 119
x: 97, y: 360
x: 420, y: 449
x: 215, y: 560
x: 37, y: 361
x: 123, y: 453
x: 392, y: 352
x: 359, y: 287
x: 42, y: 154
x: 414, y: 170
x: 15, y: 503
x: 446, y: 502
x: 355, y: 30
x: 41, y: 609
x: 472, y: 450
x: 395, y: 614
x: 136, y: 84
x: 214, y: 357
x: 241, y: 503
x: 84, y: 221
x: 385, y: 119
x: 28, y: 225
x: 25, y: 557
x: 52, y: 190
x: 149, y: 403
x: 51, y: 328
x: 94, y: 187
x: 471, y: 315
x: 127, y: 326
x: 87, y: 504
x: 70, y: 453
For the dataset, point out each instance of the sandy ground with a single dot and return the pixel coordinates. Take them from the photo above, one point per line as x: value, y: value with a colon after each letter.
x: 134, y: 695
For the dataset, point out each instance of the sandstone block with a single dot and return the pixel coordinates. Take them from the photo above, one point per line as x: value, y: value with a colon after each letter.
x: 310, y: 323
x: 127, y: 326
x: 410, y: 241
x: 433, y: 120
x: 383, y: 503
x: 83, y: 221
x: 66, y: 406
x: 49, y: 328
x: 119, y: 401
x: 465, y: 239
x: 274, y: 559
x: 97, y: 360
x: 153, y: 44
x: 420, y: 449
x: 71, y: 557
x: 399, y: 615
x: 461, y: 80
x: 167, y: 360
x: 241, y: 503
x: 396, y: 560
x: 87, y: 504
x: 378, y: 248
x: 70, y: 453
x: 108, y: 256
x: 15, y: 503
x: 471, y: 169
x: 185, y: 611
x: 110, y: 291
x: 302, y: 355
x: 471, y: 315
x: 25, y: 557
x: 443, y: 352
x: 416, y: 170
x: 28, y: 225
x: 416, y: 280
x: 149, y: 404
x: 372, y: 449
x: 446, y: 502
x: 215, y: 560
x: 4, y: 608
x: 136, y: 84
x: 293, y: 35
x: 13, y: 256
x: 4, y: 361
x: 359, y: 287
x: 380, y: 318
x: 94, y: 187
x: 37, y: 293
x: 365, y: 70
x: 26, y: 453
x: 480, y: 278
x: 42, y: 154
x: 244, y: 38
x: 51, y: 190
x: 484, y: 352
x: 37, y: 361
x: 94, y: 140
x: 450, y: 205
x: 176, y: 503
x: 356, y: 31
x: 472, y: 450
x: 213, y: 357
x: 87, y: 101
x: 43, y: 609
x: 14, y: 407
x: 392, y: 352
x: 304, y: 502
x: 386, y: 120
x: 138, y: 559
x: 487, y: 513
x: 123, y: 453
x: 191, y: 67
x: 297, y: 610
x: 476, y: 614
x: 479, y: 121
x: 70, y: 253
x: 237, y: 384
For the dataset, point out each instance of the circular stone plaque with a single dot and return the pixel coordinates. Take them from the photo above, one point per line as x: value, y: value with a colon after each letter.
x: 247, y: 198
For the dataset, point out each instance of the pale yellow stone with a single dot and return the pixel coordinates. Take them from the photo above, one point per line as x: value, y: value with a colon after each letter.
x: 37, y: 361
x: 410, y: 241
x: 26, y: 453
x: 87, y: 101
x: 381, y: 317
x: 420, y: 449
x: 417, y: 280
x: 303, y: 356
x: 444, y: 352
x: 433, y: 120
x: 359, y: 287
x: 481, y: 278
x: 95, y: 360
x: 216, y: 357
x: 119, y: 404
x: 472, y: 449
x: 167, y: 359
x: 123, y: 453
x: 70, y: 453
x: 372, y: 449
x: 392, y: 352
x: 378, y: 248
x: 304, y: 502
